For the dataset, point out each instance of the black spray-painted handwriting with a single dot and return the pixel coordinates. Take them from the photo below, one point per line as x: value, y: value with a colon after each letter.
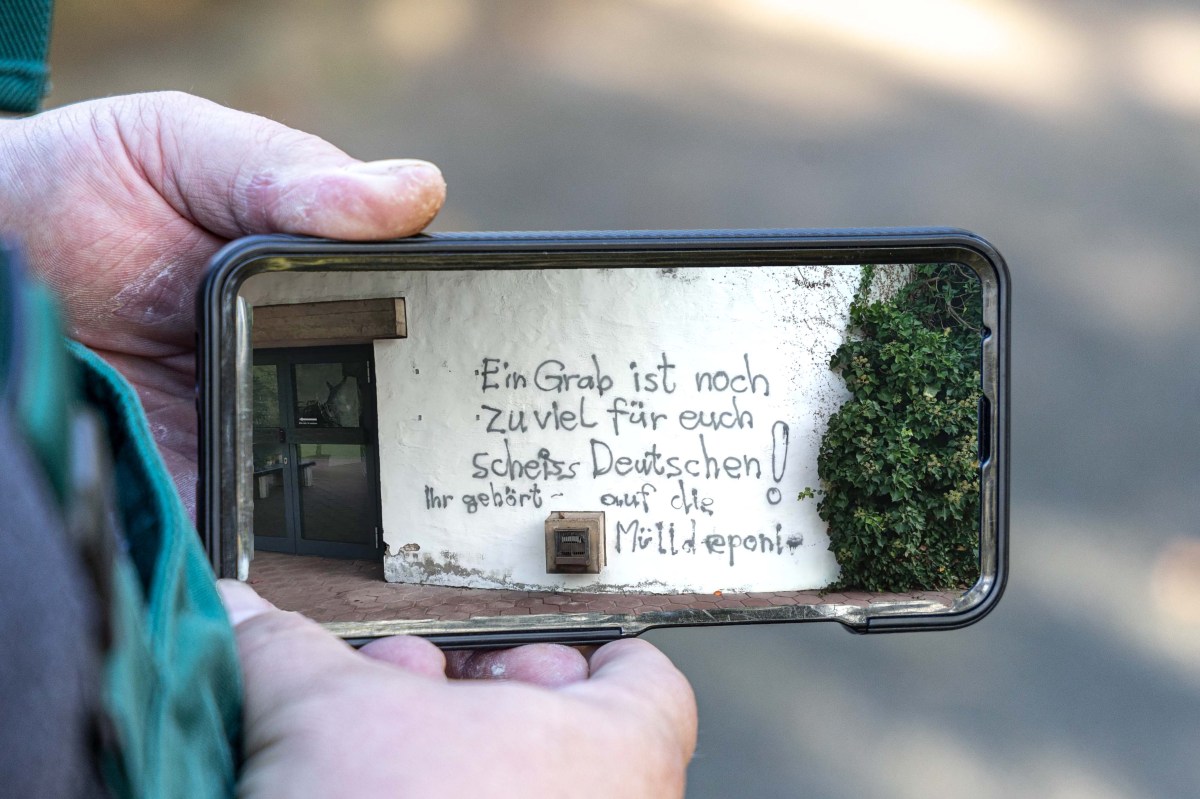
x: 644, y: 453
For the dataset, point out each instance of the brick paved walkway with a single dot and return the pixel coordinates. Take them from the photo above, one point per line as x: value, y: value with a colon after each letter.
x: 328, y: 589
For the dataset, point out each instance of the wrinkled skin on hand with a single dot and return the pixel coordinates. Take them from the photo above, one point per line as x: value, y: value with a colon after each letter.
x: 119, y: 204
x: 619, y: 724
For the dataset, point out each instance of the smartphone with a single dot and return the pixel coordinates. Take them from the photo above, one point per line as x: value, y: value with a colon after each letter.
x: 491, y: 439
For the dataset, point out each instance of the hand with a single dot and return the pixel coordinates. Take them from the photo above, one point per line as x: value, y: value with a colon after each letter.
x: 119, y: 204
x: 324, y: 720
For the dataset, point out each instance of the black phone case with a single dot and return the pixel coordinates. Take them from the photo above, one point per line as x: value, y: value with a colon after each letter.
x: 216, y: 394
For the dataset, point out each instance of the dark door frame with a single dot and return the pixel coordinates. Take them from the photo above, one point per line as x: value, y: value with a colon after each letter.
x: 292, y: 436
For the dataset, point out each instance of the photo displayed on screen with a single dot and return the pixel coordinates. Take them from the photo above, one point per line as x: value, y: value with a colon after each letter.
x: 461, y: 444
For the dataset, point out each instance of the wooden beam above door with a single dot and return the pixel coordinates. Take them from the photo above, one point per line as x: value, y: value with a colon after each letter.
x: 319, y: 324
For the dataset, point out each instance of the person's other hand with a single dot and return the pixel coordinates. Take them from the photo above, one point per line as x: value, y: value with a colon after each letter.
x: 119, y: 204
x: 324, y: 720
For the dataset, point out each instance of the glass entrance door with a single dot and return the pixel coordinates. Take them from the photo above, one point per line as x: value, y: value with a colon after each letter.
x: 316, y: 485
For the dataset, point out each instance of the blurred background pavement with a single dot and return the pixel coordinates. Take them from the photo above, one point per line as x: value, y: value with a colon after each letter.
x: 1068, y: 133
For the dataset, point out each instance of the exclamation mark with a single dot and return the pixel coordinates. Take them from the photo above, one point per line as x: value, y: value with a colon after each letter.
x: 780, y: 436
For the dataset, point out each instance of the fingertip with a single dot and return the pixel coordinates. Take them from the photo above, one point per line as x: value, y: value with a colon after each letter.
x: 639, y: 671
x: 627, y: 652
x: 409, y: 653
x: 359, y: 201
x: 547, y: 665
x: 638, y: 663
x: 241, y: 601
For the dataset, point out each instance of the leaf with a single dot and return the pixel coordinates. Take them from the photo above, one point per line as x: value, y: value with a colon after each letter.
x: 897, y: 464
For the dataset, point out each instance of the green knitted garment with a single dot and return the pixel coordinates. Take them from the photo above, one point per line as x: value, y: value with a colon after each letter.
x: 24, y: 41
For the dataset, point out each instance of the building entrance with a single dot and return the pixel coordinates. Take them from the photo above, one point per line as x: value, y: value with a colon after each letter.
x: 316, y: 469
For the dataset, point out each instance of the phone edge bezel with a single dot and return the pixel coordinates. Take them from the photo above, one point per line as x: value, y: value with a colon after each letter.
x: 213, y: 302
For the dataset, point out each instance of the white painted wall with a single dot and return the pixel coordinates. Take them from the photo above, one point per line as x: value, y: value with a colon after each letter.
x: 750, y: 532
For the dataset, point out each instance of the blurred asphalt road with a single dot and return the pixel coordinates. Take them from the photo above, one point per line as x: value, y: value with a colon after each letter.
x: 1067, y: 133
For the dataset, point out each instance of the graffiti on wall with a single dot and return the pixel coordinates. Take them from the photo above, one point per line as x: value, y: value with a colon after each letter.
x: 692, y: 432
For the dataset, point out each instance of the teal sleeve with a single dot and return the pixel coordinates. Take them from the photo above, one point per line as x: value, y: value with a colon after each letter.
x: 24, y: 44
x: 173, y: 691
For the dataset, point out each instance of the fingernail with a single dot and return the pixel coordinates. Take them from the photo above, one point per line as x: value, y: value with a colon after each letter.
x: 395, y: 167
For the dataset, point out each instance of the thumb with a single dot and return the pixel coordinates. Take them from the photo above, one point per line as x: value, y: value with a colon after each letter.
x: 284, y: 656
x: 282, y: 653
x: 241, y: 601
x: 235, y: 173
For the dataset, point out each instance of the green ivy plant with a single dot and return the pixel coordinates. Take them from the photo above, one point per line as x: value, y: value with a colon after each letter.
x: 899, y: 465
